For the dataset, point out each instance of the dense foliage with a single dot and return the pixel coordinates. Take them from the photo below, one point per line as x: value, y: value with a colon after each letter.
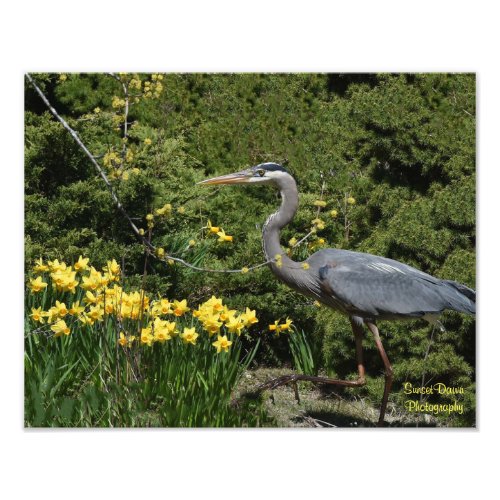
x: 393, y: 157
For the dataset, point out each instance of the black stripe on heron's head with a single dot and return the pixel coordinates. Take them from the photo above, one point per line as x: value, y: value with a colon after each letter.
x: 272, y: 167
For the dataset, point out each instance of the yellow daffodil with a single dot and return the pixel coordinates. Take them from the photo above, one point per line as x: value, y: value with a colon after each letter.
x: 249, y: 317
x: 62, y: 310
x: 212, y: 325
x: 214, y: 303
x: 112, y: 267
x: 76, y: 309
x: 180, y: 307
x: 51, y: 314
x: 223, y: 236
x: 93, y: 281
x: 96, y: 313
x: 37, y: 315
x: 212, y: 229
x: 160, y: 252
x: 278, y: 328
x: 122, y: 340
x: 86, y: 320
x: 161, y: 307
x: 189, y: 336
x: 60, y: 327
x: 351, y: 200
x: 171, y: 328
x: 148, y: 141
x: 235, y: 325
x: 55, y: 266
x: 275, y: 327
x: 333, y: 213
x: 39, y: 266
x: 163, y: 330
x: 244, y: 270
x: 90, y: 298
x: 305, y: 266
x: 82, y: 264
x: 146, y: 336
x: 37, y: 285
x: 222, y: 344
x: 226, y: 314
x: 292, y: 242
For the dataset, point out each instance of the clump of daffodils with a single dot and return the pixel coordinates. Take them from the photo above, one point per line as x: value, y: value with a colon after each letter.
x: 84, y: 296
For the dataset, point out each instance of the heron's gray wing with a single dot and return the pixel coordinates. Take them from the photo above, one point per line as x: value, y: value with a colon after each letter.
x: 376, y: 286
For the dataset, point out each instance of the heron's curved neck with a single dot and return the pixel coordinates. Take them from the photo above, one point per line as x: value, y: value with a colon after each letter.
x: 278, y: 220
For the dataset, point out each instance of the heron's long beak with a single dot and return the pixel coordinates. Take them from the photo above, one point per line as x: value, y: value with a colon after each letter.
x: 237, y: 178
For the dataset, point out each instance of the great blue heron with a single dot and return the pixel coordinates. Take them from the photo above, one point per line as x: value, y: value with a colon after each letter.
x: 365, y: 287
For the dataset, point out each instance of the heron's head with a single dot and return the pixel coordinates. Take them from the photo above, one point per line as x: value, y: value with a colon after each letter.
x: 263, y: 173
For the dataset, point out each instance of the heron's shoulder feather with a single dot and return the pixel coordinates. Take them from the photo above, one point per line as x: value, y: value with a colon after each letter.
x: 377, y: 286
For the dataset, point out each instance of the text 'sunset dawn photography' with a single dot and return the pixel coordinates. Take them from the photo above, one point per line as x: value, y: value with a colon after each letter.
x: 250, y: 250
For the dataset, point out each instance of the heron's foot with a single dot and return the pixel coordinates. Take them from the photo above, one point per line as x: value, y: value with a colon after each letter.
x: 283, y: 380
x: 279, y: 381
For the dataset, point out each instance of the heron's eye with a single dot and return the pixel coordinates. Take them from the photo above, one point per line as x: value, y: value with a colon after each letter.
x: 261, y: 172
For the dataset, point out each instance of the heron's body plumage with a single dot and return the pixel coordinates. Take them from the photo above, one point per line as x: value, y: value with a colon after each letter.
x: 375, y: 287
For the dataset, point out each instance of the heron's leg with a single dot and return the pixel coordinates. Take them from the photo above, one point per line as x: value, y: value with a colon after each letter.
x: 388, y: 371
x: 358, y: 335
x: 357, y: 329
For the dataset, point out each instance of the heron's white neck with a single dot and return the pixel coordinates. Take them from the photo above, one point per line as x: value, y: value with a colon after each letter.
x: 278, y: 220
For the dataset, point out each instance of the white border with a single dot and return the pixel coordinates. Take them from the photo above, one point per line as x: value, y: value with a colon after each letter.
x: 241, y: 36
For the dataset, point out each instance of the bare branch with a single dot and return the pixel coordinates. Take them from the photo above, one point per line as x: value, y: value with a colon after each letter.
x: 149, y: 246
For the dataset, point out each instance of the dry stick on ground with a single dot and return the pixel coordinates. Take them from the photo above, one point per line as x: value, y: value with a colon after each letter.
x: 150, y: 247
